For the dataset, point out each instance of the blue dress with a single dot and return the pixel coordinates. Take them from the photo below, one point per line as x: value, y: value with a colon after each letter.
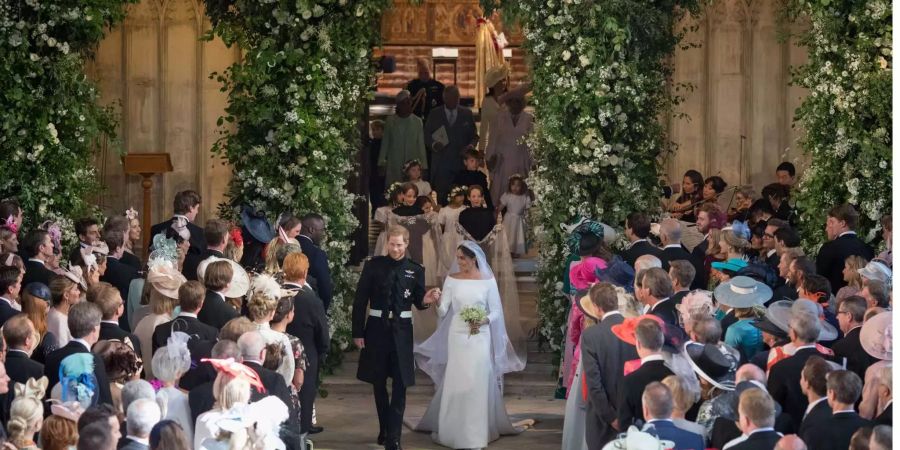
x: 746, y: 338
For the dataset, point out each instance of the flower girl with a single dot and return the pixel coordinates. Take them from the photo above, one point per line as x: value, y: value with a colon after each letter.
x: 447, y: 218
x: 412, y: 172
x: 394, y: 197
x: 516, y: 201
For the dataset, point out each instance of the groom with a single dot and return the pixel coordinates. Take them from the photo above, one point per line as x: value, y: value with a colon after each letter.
x: 389, y: 285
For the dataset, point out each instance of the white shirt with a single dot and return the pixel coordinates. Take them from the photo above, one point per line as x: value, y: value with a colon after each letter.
x: 110, y: 321
x: 804, y: 346
x: 187, y: 314
x: 654, y: 357
x: 657, y: 304
x: 851, y: 410
x: 82, y: 342
x: 813, y: 405
x: 12, y: 304
x: 37, y: 260
x: 744, y: 437
x: 770, y: 253
x: 672, y: 246
x: 635, y: 242
x: 847, y: 232
x: 605, y: 315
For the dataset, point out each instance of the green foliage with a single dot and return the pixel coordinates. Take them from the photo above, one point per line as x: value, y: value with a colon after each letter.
x: 599, y: 75
x: 51, y: 121
x: 296, y: 101
x: 846, y: 117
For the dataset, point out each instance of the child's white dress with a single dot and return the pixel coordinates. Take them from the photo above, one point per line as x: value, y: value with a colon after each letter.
x: 423, y: 186
x: 447, y: 218
x: 514, y: 220
x: 382, y: 216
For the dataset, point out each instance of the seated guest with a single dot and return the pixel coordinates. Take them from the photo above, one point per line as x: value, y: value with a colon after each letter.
x: 881, y: 438
x: 216, y: 233
x: 170, y: 362
x: 682, y: 208
x: 190, y: 298
x: 88, y: 231
x: 637, y: 229
x: 713, y: 187
x: 813, y: 381
x: 84, y: 326
x: 843, y: 388
x: 876, y: 293
x: 850, y: 313
x: 885, y: 396
x: 108, y: 298
x: 19, y: 335
x: 784, y: 377
x: 670, y: 238
x: 842, y: 242
x: 142, y: 415
x: 118, y: 273
x: 217, y: 278
x: 760, y: 213
x: 684, y: 398
x: 756, y: 411
x: 130, y: 227
x: 657, y: 407
x: 10, y: 285
x: 653, y: 288
x: 38, y: 248
x: 681, y: 273
x: 778, y: 196
x: 709, y: 218
x: 785, y: 174
x: 186, y: 206
x: 648, y: 338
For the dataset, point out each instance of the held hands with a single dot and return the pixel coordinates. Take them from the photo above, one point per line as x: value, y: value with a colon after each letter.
x: 360, y: 343
x: 433, y: 296
x: 475, y: 326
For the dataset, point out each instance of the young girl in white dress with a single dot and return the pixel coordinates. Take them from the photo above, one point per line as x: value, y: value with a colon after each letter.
x: 516, y: 201
x: 412, y: 172
x: 447, y: 219
x: 394, y: 197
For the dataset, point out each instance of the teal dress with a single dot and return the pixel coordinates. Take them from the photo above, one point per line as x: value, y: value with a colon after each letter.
x: 746, y: 338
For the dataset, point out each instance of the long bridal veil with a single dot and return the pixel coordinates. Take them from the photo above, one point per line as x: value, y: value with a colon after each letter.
x: 431, y: 355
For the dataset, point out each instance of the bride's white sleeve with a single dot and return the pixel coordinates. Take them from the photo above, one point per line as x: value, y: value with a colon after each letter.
x: 446, y: 298
x: 495, y: 308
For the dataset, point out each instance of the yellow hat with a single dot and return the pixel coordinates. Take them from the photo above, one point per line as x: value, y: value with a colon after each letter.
x: 495, y: 75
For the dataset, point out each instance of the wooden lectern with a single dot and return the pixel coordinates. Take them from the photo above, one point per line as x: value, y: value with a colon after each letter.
x: 146, y: 165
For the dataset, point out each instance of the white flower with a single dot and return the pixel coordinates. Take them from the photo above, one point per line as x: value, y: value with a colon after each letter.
x: 318, y: 11
x: 306, y: 14
x: 566, y: 55
x: 34, y: 57
x: 51, y: 42
x: 584, y: 60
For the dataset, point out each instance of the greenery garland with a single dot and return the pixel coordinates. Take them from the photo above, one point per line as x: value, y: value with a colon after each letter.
x: 599, y: 76
x: 846, y: 117
x: 52, y: 123
x: 296, y: 100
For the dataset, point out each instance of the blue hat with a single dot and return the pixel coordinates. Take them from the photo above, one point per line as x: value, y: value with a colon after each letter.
x: 39, y: 290
x: 619, y: 273
x: 256, y: 223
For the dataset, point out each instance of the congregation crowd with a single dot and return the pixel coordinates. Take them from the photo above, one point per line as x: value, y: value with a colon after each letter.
x: 215, y: 342
x: 730, y: 336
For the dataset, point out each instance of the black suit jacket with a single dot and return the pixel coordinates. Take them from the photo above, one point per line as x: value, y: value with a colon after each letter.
x: 112, y: 331
x: 763, y: 440
x: 119, y: 274
x: 673, y: 254
x: 835, y: 433
x: 215, y: 312
x: 201, y: 399
x: 129, y: 444
x: 131, y: 260
x: 830, y: 260
x: 318, y: 269
x: 602, y: 356
x: 629, y: 409
x: 784, y: 383
x: 20, y: 367
x: 310, y: 324
x: 812, y: 423
x: 51, y: 368
x: 666, y: 311
x: 36, y: 272
x: 198, y: 331
x: 192, y: 262
x: 858, y: 360
x: 698, y: 260
x: 198, y: 242
x: 640, y: 248
x: 886, y: 417
x: 275, y: 385
x: 6, y: 312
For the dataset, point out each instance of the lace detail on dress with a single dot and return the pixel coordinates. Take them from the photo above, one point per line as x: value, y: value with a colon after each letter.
x: 488, y: 240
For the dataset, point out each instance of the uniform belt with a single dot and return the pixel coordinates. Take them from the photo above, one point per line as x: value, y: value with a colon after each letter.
x: 390, y: 314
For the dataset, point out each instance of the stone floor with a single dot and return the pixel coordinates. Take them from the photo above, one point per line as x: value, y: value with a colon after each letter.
x: 350, y: 424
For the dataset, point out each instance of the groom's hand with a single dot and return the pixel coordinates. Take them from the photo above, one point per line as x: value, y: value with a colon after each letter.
x: 360, y: 343
x: 432, y: 296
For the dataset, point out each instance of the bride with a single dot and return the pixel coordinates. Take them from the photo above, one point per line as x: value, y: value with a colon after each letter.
x: 467, y: 410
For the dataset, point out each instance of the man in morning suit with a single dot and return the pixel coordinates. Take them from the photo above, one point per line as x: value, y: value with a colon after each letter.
x: 459, y: 127
x: 653, y: 288
x: 670, y: 238
x: 657, y: 406
x: 681, y: 273
x: 216, y: 234
x: 118, y: 273
x: 186, y: 205
x: 215, y: 312
x: 850, y: 314
x: 88, y: 231
x: 38, y: 248
x: 784, y: 376
x: 813, y: 382
x: 190, y: 297
x: 637, y: 228
x: 389, y: 286
x: 310, y: 326
x: 842, y: 242
x: 844, y: 389
x: 141, y: 416
x: 19, y: 334
x: 10, y: 286
x: 108, y: 299
x: 310, y: 238
x: 648, y: 338
x: 769, y: 253
x: 756, y: 419
x: 84, y: 326
x: 200, y: 397
x: 603, y: 355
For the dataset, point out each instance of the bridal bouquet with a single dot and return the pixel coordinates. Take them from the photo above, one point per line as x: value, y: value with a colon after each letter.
x: 474, y: 316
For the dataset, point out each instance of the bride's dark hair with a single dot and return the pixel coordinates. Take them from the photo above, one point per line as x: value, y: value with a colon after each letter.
x: 469, y: 253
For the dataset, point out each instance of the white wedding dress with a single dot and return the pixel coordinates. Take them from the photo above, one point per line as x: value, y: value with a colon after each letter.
x: 467, y: 411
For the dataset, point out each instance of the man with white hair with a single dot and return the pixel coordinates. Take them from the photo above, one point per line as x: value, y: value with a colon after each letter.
x: 132, y: 391
x: 784, y: 376
x: 142, y: 415
x: 402, y: 140
x: 670, y: 238
x: 645, y: 262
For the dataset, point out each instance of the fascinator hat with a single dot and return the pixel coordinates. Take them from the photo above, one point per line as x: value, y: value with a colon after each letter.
x: 131, y: 213
x: 584, y: 226
x: 779, y: 315
x: 236, y: 370
x: 256, y: 223
x: 174, y: 359
x: 77, y: 382
x: 267, y: 285
x: 162, y: 273
x: 876, y: 270
x: 240, y: 280
x: 254, y: 425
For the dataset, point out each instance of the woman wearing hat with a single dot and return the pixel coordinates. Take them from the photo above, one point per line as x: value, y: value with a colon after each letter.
x: 36, y: 304
x: 65, y: 292
x: 746, y: 297
x: 734, y: 242
x: 876, y: 338
x: 164, y: 281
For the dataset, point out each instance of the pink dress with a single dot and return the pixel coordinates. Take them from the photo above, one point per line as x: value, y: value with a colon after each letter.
x: 581, y: 276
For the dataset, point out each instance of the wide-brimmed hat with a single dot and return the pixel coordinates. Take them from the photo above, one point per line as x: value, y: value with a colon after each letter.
x: 619, y: 273
x: 165, y: 278
x: 876, y: 270
x: 588, y: 308
x: 730, y: 267
x: 742, y: 292
x: 673, y: 337
x: 876, y: 335
x: 765, y: 325
x: 257, y: 224
x: 240, y: 281
x: 603, y: 231
x: 495, y: 75
x: 712, y: 363
x: 634, y: 439
x: 780, y: 313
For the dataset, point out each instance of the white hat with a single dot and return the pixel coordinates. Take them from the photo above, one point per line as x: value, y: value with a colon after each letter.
x: 876, y: 270
x: 240, y: 281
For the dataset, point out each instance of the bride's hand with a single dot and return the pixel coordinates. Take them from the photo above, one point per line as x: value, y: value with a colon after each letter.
x: 433, y: 296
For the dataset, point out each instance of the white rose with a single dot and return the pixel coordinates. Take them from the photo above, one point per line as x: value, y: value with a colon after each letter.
x: 35, y: 57
x: 566, y: 55
x: 584, y: 60
x: 306, y: 14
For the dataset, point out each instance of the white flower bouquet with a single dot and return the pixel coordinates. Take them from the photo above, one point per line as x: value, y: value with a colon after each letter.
x: 474, y: 316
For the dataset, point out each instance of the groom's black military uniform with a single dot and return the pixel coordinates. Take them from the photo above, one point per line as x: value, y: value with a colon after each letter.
x: 389, y: 288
